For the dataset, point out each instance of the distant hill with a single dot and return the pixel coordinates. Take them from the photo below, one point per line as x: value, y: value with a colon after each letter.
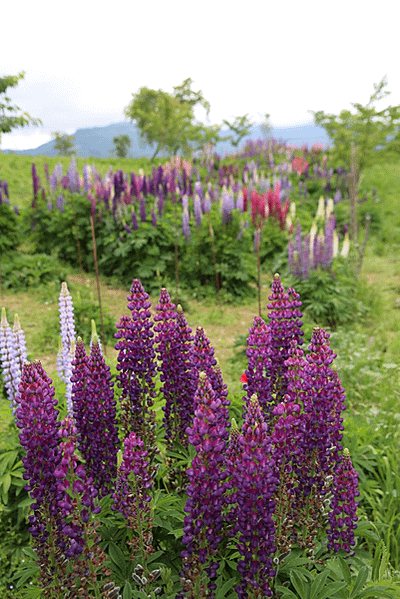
x: 97, y: 142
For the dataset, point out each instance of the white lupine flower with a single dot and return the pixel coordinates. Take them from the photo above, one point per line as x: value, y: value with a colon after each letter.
x: 335, y: 249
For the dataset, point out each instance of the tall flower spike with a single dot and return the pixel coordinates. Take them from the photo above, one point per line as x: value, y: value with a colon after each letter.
x: 100, y: 443
x: 202, y: 358
x: 284, y: 324
x: 257, y: 352
x: 10, y: 362
x: 343, y: 518
x: 67, y: 325
x: 204, y: 522
x: 137, y: 367
x: 255, y: 479
x: 173, y: 365
x: 36, y: 417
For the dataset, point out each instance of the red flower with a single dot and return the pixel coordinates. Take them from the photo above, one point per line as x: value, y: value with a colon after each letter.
x: 299, y: 165
x: 243, y: 378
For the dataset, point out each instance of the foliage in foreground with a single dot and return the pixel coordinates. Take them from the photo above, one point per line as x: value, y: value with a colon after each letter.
x: 121, y: 523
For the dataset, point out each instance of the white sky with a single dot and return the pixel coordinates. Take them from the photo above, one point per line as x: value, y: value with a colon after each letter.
x: 84, y: 59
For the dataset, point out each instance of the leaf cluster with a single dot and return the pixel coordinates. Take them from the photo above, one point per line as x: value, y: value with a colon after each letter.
x: 11, y: 116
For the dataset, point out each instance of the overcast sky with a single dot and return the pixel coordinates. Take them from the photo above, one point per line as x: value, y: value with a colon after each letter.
x: 84, y: 59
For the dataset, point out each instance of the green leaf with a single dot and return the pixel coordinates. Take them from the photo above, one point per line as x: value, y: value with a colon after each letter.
x: 318, y: 584
x: 286, y: 592
x: 227, y: 586
x: 298, y: 583
x: 118, y: 558
x: 360, y: 581
x: 127, y: 592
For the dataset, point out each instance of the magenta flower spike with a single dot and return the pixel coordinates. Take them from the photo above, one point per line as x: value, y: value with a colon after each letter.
x: 257, y: 352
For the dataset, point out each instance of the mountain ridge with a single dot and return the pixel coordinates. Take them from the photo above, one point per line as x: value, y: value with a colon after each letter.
x: 96, y: 142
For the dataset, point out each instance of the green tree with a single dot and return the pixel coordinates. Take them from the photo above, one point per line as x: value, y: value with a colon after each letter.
x: 64, y: 144
x: 12, y: 117
x: 367, y: 129
x: 122, y: 144
x: 241, y: 127
x: 168, y: 121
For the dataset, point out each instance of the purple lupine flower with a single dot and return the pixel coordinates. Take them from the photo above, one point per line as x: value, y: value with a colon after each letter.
x: 343, y: 518
x: 142, y: 208
x: 49, y: 206
x: 337, y: 197
x: 284, y: 325
x: 53, y: 182
x: 133, y: 479
x: 137, y: 365
x: 36, y: 417
x: 86, y: 178
x: 10, y: 362
x: 71, y: 175
x: 5, y: 187
x: 202, y: 358
x: 173, y: 341
x: 68, y: 336
x: 240, y: 201
x: 95, y: 415
x: 197, y: 210
x: 36, y: 184
x: 203, y: 524
x: 60, y: 202
x: 127, y: 228
x: 134, y: 221
x: 160, y: 201
x: 257, y: 352
x: 78, y: 493
x: 255, y: 478
x: 227, y: 206
x: 153, y: 218
x: 305, y: 258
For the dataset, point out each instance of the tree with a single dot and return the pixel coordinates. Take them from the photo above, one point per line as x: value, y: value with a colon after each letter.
x: 265, y: 125
x: 167, y: 120
x: 11, y: 116
x: 241, y: 127
x: 64, y: 144
x: 122, y: 144
x: 367, y: 129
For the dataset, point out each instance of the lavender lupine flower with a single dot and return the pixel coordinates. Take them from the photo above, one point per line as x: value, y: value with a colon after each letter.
x: 5, y: 187
x: 60, y: 202
x: 197, y: 210
x: 10, y: 362
x: 86, y: 177
x: 137, y: 366
x: 68, y: 335
x: 36, y: 417
x: 327, y: 255
x: 256, y: 479
x: 298, y: 247
x: 153, y: 218
x: 95, y: 415
x: 53, y: 182
x: 71, y: 175
x: 343, y: 518
x: 227, y: 206
x: 203, y: 523
x: 185, y: 217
